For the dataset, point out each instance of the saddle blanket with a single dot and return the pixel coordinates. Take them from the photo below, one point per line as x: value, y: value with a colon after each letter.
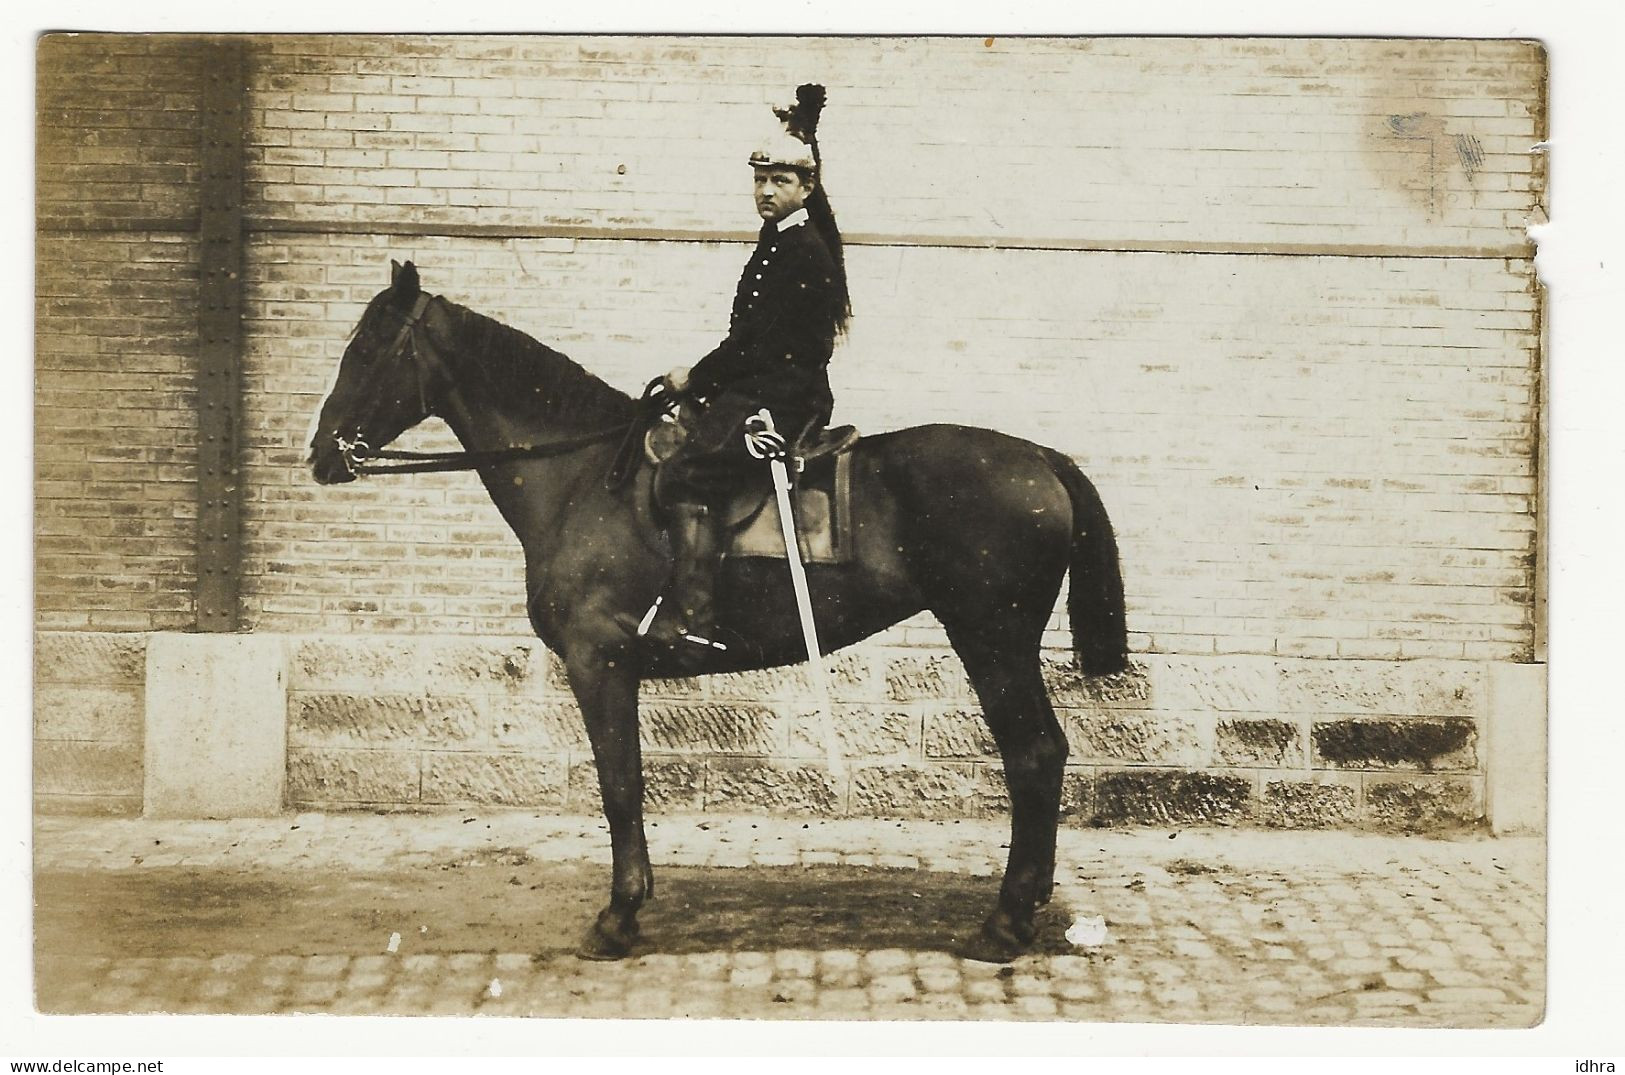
x: 822, y: 505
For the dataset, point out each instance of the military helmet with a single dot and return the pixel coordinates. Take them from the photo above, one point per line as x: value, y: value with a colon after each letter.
x: 793, y: 141
x: 781, y: 149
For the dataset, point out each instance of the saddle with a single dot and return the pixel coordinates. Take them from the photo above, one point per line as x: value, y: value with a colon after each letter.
x: 820, y: 466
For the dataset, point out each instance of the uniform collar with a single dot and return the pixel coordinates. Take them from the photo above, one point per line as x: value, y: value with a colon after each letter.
x: 794, y: 219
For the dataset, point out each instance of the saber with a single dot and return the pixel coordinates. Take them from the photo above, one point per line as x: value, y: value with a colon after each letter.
x: 765, y: 442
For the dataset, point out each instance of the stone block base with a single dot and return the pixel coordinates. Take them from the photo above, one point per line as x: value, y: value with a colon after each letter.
x: 216, y: 725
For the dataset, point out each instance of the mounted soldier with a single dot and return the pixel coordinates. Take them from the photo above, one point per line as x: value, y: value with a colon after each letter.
x: 977, y: 528
x: 790, y: 305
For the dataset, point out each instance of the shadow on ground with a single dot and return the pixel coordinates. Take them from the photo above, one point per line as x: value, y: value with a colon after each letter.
x: 503, y: 902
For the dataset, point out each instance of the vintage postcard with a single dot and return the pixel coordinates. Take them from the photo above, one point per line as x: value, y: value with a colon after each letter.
x: 451, y: 449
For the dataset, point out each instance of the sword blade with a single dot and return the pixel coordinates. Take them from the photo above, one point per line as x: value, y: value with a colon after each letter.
x: 809, y: 630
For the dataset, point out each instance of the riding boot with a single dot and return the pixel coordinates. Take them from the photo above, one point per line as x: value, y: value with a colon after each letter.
x: 683, y: 620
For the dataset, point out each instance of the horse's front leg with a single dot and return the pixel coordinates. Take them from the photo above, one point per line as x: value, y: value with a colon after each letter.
x: 609, y: 704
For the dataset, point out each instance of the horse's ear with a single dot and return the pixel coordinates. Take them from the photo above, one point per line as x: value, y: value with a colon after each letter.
x: 404, y: 279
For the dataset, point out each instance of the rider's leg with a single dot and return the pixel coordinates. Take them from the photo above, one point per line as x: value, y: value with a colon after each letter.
x: 693, y: 486
x: 687, y: 611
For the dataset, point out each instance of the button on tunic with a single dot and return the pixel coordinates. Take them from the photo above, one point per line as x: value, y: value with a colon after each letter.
x: 782, y: 328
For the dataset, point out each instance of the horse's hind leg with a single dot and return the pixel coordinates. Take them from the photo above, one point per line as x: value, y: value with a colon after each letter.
x: 1003, y: 666
x: 609, y: 707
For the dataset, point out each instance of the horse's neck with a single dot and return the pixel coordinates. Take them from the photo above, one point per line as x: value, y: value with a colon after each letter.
x: 485, y: 419
x: 484, y: 424
x: 495, y: 404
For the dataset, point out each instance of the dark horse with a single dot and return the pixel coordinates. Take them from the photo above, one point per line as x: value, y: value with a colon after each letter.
x: 975, y: 526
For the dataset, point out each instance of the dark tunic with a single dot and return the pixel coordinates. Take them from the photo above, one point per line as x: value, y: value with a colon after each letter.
x: 780, y: 337
x: 782, y: 329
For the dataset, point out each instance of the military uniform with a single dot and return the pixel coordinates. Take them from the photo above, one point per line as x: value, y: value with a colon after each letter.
x: 790, y: 304
x: 780, y: 337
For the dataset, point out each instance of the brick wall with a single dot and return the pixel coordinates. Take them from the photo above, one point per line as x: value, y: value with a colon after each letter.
x: 115, y: 453
x: 1022, y: 142
x: 115, y: 332
x: 1315, y: 435
x: 118, y: 131
x: 1319, y: 457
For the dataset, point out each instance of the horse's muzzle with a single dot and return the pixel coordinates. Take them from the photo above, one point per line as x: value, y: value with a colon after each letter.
x: 330, y: 466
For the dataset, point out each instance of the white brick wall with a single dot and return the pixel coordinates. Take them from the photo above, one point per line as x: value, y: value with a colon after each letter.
x: 1162, y: 143
x: 1305, y: 455
x: 1300, y: 457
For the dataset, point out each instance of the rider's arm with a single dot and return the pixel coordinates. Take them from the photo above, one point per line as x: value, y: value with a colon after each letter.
x: 767, y: 334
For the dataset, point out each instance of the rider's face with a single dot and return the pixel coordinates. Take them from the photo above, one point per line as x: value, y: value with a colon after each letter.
x: 780, y: 192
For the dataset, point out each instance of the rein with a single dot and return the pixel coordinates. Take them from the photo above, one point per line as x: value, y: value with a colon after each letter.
x: 438, y: 462
x: 358, y: 455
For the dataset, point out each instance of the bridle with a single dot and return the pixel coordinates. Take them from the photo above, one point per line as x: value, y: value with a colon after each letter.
x: 414, y: 341
x: 355, y: 452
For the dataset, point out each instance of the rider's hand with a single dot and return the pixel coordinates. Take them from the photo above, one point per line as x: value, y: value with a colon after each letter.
x: 676, y: 382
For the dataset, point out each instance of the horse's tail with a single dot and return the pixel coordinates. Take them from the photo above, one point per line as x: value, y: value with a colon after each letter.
x: 1094, y: 601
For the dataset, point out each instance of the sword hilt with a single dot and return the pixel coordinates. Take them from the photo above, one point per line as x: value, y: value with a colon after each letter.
x: 762, y: 439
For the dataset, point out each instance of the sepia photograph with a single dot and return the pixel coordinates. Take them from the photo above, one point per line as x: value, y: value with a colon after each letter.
x: 925, y: 528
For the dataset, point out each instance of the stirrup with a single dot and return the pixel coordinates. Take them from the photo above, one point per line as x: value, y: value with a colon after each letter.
x: 710, y: 643
x: 642, y: 630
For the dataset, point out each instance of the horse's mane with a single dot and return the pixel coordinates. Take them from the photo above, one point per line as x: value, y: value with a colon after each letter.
x: 514, y: 365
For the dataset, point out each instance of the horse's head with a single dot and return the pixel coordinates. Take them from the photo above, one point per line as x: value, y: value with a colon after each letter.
x: 384, y: 384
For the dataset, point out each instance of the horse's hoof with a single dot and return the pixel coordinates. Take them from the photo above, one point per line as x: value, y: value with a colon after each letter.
x: 984, y: 949
x: 996, y: 942
x: 604, y: 946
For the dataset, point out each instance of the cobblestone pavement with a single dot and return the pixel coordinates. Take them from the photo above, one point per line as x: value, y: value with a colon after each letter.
x: 1200, y: 926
